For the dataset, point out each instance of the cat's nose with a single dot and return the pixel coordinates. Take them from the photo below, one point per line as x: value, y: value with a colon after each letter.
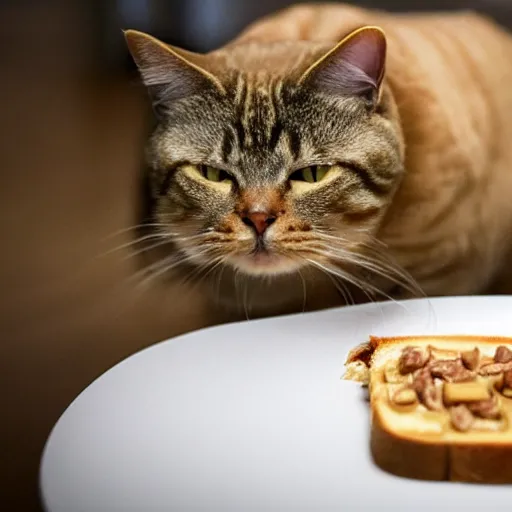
x: 259, y: 221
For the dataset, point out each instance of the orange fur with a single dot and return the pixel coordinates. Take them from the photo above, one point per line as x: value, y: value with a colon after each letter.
x: 450, y: 75
x: 446, y: 99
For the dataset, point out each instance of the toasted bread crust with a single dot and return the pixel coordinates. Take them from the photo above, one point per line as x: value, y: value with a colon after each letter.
x: 481, y: 464
x: 407, y: 458
x: 491, y: 464
x: 434, y: 457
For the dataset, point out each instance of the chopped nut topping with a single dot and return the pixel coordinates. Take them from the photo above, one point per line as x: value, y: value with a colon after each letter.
x: 485, y: 360
x: 495, y: 382
x: 429, y: 394
x: 405, y: 396
x: 495, y: 368
x: 413, y: 359
x: 491, y: 369
x: 471, y: 359
x: 361, y: 353
x: 461, y: 418
x: 502, y: 381
x: 507, y: 392
x: 462, y: 392
x: 487, y: 409
x: 468, y: 385
x: 507, y: 379
x: 451, y: 371
x: 503, y: 355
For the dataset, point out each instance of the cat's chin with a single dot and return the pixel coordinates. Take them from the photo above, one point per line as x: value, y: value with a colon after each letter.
x: 264, y: 263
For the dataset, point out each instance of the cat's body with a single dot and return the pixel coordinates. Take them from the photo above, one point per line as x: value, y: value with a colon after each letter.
x: 441, y: 129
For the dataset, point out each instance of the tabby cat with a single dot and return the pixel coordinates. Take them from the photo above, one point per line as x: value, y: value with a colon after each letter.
x: 332, y: 154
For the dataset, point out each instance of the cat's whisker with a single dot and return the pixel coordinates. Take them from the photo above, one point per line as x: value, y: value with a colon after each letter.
x: 219, y: 282
x: 339, y: 272
x: 375, y: 241
x: 304, y: 291
x: 382, y: 265
x: 215, y: 257
x: 164, y: 240
x: 217, y: 263
x: 329, y: 235
x: 143, y: 281
x: 148, y: 270
x: 384, y: 269
x: 345, y: 241
x: 235, y: 284
x: 151, y: 277
x: 89, y: 263
x: 378, y: 268
x: 343, y: 291
x: 152, y: 236
x: 344, y: 276
x: 135, y: 227
x: 133, y: 254
x: 145, y: 238
x: 244, y: 299
x: 220, y: 261
x: 333, y: 273
x: 346, y: 290
x: 339, y: 285
x: 366, y: 285
x: 388, y: 266
x: 151, y: 272
x: 211, y: 263
x: 418, y: 291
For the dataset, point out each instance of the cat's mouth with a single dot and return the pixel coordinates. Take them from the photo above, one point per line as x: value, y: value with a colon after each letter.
x: 262, y: 256
x: 262, y: 260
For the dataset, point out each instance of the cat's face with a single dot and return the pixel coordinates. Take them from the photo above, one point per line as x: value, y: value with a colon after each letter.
x: 270, y: 172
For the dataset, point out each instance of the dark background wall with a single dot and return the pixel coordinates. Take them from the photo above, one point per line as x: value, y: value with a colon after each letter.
x: 72, y: 124
x: 202, y: 25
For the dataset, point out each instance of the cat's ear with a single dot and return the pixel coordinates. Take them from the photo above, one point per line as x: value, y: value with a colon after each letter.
x: 168, y: 73
x: 355, y: 66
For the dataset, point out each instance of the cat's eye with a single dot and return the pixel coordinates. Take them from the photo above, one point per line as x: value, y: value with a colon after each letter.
x: 311, y: 174
x: 214, y: 174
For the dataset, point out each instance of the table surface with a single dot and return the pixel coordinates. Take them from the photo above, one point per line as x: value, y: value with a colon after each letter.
x: 251, y: 416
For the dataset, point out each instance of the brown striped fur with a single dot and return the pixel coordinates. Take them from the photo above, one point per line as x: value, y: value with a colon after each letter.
x: 423, y: 187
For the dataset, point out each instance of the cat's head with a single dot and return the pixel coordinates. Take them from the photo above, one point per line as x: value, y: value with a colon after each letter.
x: 268, y: 158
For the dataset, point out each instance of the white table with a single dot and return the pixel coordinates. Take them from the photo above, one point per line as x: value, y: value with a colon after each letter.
x: 251, y: 416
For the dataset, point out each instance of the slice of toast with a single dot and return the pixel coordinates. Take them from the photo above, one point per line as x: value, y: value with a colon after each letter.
x: 441, y: 407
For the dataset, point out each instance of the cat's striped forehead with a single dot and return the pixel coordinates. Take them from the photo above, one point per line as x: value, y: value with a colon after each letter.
x: 260, y: 81
x: 256, y: 102
x: 260, y: 126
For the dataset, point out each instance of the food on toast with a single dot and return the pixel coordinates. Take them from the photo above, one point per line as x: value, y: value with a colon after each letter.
x: 441, y: 406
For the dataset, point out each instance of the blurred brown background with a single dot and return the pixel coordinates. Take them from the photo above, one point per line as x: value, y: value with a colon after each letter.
x: 72, y: 125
